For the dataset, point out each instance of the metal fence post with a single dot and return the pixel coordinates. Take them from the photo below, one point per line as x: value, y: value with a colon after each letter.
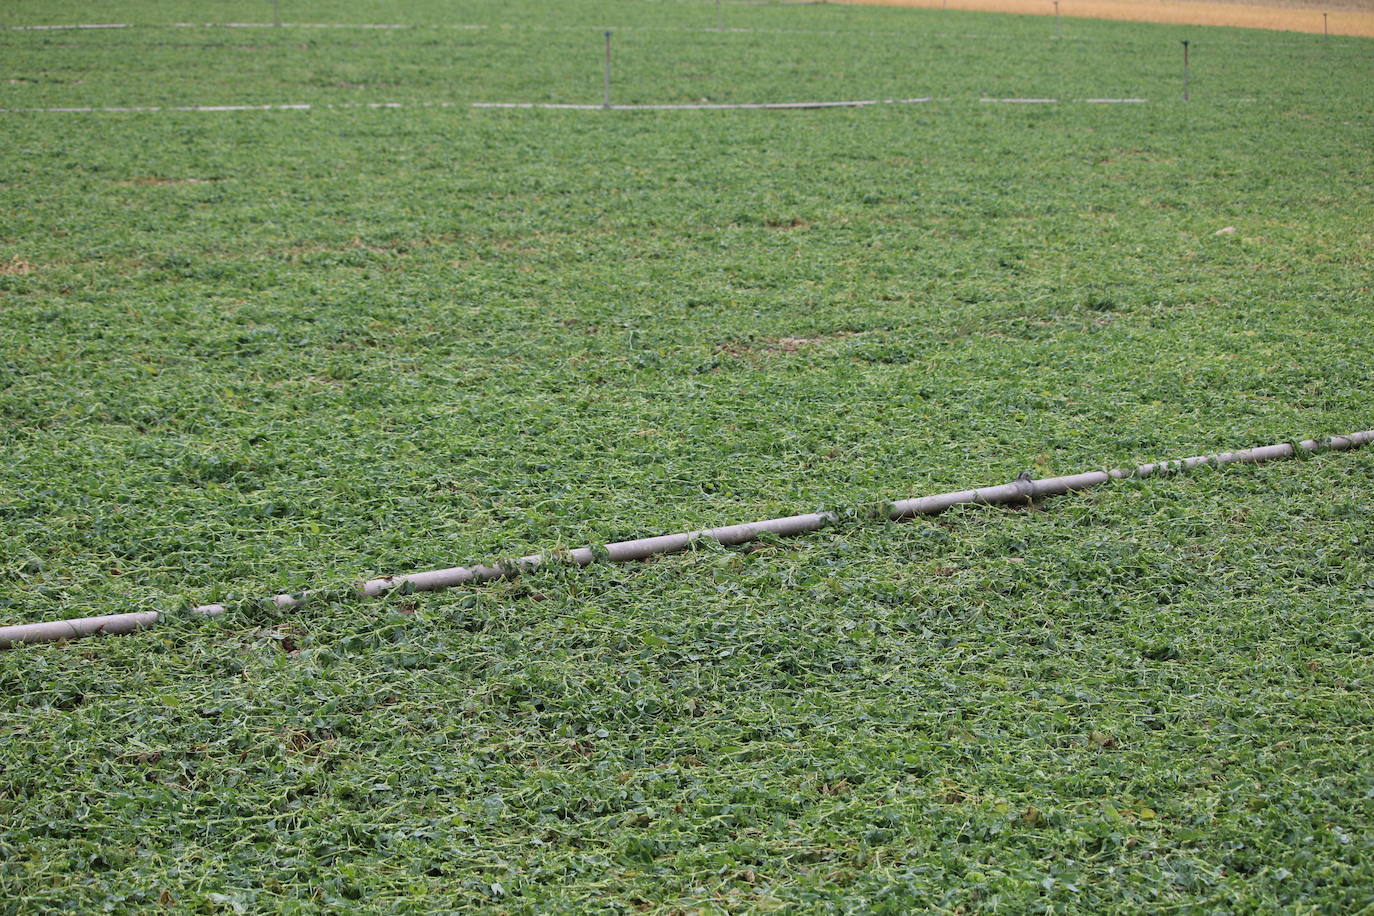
x: 606, y: 88
x: 1185, y: 70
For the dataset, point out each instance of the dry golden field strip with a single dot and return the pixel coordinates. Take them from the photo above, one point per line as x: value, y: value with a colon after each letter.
x: 1344, y: 17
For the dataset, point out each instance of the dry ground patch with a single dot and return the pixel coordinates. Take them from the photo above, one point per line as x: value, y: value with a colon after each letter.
x: 1344, y: 17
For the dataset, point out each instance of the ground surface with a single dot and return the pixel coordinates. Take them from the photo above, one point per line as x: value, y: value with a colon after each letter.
x: 1344, y: 17
x: 248, y: 351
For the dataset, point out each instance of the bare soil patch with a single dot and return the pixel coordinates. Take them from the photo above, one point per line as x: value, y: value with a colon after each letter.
x: 1344, y: 17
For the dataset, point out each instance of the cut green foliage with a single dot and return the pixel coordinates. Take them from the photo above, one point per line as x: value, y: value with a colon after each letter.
x: 261, y: 351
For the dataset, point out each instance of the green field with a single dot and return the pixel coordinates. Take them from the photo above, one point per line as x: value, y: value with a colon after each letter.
x: 246, y: 352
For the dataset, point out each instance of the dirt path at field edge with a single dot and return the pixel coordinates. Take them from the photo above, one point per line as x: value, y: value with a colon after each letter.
x: 1344, y: 17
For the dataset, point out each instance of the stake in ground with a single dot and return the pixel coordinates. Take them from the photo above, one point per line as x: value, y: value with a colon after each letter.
x: 261, y: 350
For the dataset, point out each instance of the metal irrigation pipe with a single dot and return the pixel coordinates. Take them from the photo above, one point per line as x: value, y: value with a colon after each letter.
x: 1020, y: 491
